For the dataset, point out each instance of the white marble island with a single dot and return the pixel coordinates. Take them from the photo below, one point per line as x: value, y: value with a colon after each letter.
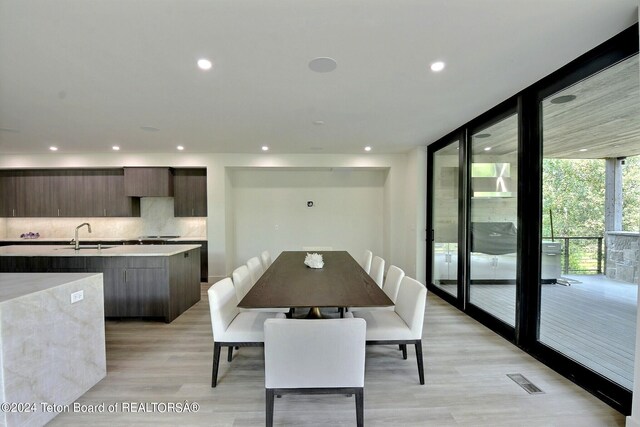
x: 153, y: 281
x: 52, y: 351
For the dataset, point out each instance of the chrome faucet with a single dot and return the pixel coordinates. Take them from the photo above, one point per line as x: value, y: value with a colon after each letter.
x: 75, y: 239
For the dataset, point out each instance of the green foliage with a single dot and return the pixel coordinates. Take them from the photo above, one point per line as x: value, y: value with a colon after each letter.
x: 573, y: 189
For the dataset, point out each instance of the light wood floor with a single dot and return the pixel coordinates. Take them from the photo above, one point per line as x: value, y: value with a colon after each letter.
x: 466, y: 383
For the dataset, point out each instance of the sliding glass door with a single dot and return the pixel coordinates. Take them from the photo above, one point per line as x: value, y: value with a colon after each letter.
x: 444, y: 211
x: 492, y: 255
x: 589, y: 252
x: 543, y: 244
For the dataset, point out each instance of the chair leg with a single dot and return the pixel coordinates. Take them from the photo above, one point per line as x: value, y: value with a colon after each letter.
x: 269, y: 409
x: 360, y: 407
x: 404, y: 351
x: 216, y: 362
x: 420, y: 362
x: 230, y: 353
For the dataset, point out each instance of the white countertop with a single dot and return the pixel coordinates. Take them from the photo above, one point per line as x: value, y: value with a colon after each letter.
x: 16, y: 285
x: 99, y: 239
x: 119, y: 250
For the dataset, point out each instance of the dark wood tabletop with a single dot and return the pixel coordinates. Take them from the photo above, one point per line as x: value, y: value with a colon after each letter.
x: 288, y: 282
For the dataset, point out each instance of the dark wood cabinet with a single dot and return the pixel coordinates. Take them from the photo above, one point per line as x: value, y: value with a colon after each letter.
x: 8, y: 193
x: 190, y: 192
x: 65, y: 193
x: 148, y: 182
x: 134, y: 286
x: 204, y: 256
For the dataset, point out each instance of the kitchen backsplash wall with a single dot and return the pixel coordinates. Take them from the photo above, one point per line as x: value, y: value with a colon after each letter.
x: 156, y: 219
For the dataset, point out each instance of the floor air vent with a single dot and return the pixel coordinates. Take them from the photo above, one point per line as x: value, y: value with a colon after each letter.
x: 529, y: 387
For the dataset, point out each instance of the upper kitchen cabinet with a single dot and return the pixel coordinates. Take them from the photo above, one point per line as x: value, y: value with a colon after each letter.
x: 8, y: 194
x: 65, y: 193
x: 148, y: 182
x: 25, y: 193
x: 103, y: 189
x: 190, y: 192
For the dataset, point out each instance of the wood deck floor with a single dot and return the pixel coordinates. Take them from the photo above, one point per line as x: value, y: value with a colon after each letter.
x: 593, y: 321
x: 466, y: 367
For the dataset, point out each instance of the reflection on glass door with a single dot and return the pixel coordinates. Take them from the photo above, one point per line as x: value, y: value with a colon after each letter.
x: 445, y: 218
x: 591, y: 221
x: 493, y: 213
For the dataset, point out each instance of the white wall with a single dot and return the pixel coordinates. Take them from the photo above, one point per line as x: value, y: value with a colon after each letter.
x: 398, y: 241
x: 270, y: 210
x: 416, y: 213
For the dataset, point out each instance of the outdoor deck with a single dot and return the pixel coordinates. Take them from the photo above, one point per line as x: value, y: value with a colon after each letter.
x: 593, y: 321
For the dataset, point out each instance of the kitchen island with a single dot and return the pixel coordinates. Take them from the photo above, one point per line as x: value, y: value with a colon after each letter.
x: 154, y: 281
x: 52, y: 345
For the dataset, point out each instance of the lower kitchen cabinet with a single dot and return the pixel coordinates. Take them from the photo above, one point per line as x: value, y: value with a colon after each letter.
x: 134, y: 286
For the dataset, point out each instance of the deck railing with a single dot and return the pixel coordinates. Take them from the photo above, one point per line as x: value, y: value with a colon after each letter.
x: 581, y: 255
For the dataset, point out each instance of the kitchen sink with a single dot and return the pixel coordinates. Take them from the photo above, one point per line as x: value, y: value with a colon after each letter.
x: 71, y: 248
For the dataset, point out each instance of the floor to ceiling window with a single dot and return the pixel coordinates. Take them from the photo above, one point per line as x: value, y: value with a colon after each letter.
x: 589, y: 279
x: 494, y: 216
x: 446, y: 170
x: 543, y: 244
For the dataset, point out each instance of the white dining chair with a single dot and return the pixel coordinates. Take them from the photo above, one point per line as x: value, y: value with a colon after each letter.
x: 329, y: 359
x: 232, y: 328
x: 403, y: 325
x: 377, y: 270
x: 390, y: 288
x: 242, y: 284
x: 392, y: 282
x: 241, y: 281
x: 265, y: 257
x: 366, y: 261
x: 255, y: 269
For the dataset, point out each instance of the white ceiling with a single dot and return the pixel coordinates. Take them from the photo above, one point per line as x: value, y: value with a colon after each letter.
x: 85, y: 75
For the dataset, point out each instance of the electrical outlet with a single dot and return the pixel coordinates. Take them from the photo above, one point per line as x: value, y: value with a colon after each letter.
x: 77, y: 296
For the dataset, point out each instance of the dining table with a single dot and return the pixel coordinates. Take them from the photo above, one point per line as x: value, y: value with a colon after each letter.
x: 289, y: 282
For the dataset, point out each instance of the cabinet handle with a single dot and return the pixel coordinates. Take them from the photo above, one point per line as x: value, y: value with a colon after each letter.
x: 125, y: 275
x: 13, y: 211
x: 58, y: 212
x: 193, y: 213
x: 105, y: 212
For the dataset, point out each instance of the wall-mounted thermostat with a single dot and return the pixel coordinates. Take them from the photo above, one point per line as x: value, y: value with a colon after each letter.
x: 310, y: 204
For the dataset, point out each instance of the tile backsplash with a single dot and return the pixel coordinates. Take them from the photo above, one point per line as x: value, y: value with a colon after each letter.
x: 156, y: 218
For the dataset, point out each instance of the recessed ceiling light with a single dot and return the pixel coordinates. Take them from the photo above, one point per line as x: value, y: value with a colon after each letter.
x: 437, y: 66
x: 204, y: 64
x: 582, y: 150
x: 323, y: 65
x: 53, y: 148
x: 115, y: 148
x: 179, y: 148
x: 367, y: 148
x: 318, y: 122
x: 482, y: 135
x: 149, y: 128
x: 563, y: 99
x: 265, y: 148
x: 487, y: 148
